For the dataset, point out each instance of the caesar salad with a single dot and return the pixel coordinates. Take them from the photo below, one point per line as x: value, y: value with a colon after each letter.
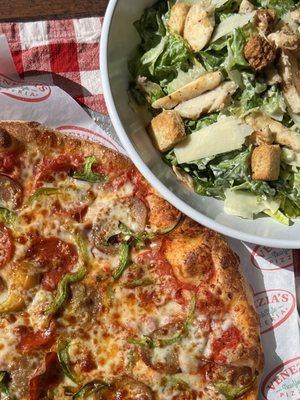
x: 221, y: 80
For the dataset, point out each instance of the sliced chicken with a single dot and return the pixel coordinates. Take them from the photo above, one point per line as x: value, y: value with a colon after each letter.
x: 214, y: 100
x: 272, y: 76
x: 283, y: 136
x: 177, y: 18
x: 290, y: 74
x: 199, y: 25
x: 246, y: 7
x: 204, y: 83
x: 286, y: 38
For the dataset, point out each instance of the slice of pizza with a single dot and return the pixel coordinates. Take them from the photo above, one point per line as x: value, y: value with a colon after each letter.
x: 106, y: 290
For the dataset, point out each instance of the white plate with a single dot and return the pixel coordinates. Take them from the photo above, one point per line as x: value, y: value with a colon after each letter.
x: 118, y: 42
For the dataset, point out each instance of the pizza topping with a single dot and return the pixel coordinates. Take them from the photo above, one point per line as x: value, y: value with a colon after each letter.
x: 11, y: 193
x: 90, y: 388
x: 45, y: 376
x: 182, y: 330
x: 64, y: 359
x: 62, y: 292
x: 44, y: 191
x: 30, y: 341
x: 20, y: 278
x: 8, y: 217
x: 54, y: 256
x: 6, y: 246
x: 4, y: 382
x: 124, y: 261
x: 127, y: 388
x: 229, y: 340
x: 230, y: 391
x: 87, y: 173
x: 9, y: 164
x: 62, y: 163
x: 7, y: 142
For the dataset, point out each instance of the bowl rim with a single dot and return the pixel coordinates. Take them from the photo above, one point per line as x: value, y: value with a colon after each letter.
x: 145, y: 170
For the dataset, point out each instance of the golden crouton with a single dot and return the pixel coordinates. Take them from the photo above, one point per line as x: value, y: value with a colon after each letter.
x: 259, y: 52
x: 265, y: 20
x: 265, y: 162
x: 166, y: 130
x: 177, y: 18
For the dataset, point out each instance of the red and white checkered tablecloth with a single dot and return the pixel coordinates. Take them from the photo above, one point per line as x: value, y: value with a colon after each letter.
x: 63, y: 52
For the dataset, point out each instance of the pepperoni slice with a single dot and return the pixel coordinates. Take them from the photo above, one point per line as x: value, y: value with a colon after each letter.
x: 30, y: 340
x: 9, y: 163
x: 6, y: 245
x: 45, y: 376
x: 229, y: 340
x: 54, y: 256
x: 62, y: 163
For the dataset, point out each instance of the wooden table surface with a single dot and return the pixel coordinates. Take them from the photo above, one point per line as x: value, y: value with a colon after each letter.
x: 30, y: 10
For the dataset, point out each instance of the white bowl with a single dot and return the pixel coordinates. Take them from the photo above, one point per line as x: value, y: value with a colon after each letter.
x: 118, y: 42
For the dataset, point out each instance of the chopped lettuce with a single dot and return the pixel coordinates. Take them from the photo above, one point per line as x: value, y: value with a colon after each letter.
x: 235, y: 46
x: 281, y: 7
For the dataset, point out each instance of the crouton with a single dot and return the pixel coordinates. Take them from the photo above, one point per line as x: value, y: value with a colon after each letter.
x: 265, y: 20
x: 205, y: 82
x: 265, y: 162
x: 177, y: 18
x: 259, y: 52
x: 166, y: 130
x: 199, y: 25
x: 246, y: 7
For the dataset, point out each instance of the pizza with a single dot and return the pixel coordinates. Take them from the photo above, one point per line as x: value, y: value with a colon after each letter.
x: 106, y: 290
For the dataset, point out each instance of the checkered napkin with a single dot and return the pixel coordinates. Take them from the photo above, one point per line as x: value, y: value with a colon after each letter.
x: 60, y: 52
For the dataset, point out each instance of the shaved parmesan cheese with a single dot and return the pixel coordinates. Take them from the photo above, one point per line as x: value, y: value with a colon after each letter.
x: 231, y: 23
x: 225, y: 135
x: 245, y: 204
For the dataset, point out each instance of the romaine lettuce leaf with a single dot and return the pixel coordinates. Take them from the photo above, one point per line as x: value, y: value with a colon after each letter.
x: 235, y: 46
x: 273, y: 103
x: 281, y: 7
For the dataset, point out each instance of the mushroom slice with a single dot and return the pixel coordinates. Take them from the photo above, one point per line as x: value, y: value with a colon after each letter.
x: 127, y: 388
x: 130, y: 211
x: 283, y: 136
x: 204, y: 83
x: 166, y: 361
x: 199, y: 25
x: 290, y: 74
x: 11, y: 193
x: 214, y: 100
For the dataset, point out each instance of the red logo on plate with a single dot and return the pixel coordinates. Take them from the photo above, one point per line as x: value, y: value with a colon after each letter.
x: 24, y: 91
x: 269, y: 259
x: 283, y: 382
x: 274, y: 306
